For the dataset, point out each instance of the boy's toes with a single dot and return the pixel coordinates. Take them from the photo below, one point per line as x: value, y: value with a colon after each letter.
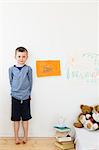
x: 24, y: 140
x: 17, y: 141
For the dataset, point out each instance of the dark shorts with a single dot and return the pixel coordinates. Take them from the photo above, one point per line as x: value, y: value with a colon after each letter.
x: 20, y: 110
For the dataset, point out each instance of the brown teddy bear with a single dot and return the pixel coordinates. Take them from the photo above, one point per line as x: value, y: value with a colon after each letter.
x: 86, y: 119
x: 85, y: 110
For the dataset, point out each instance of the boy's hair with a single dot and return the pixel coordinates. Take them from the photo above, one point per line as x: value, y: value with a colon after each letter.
x: 20, y: 49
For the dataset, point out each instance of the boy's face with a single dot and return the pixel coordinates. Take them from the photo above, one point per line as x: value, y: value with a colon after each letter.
x: 21, y: 57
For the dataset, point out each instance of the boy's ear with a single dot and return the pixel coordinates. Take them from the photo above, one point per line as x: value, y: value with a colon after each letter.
x: 27, y: 54
x: 27, y: 57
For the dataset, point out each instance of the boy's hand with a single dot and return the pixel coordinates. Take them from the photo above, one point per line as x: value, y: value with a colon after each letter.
x: 29, y: 97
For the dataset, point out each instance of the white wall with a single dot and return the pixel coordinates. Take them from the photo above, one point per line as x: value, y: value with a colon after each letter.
x: 50, y: 30
x: 98, y: 38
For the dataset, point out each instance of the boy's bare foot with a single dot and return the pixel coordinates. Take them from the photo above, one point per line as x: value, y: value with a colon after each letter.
x: 17, y: 141
x: 24, y: 140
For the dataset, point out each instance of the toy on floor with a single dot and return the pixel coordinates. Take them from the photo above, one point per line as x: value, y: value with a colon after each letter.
x: 88, y: 118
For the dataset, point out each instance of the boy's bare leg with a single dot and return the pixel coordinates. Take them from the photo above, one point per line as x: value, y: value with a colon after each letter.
x: 16, y: 131
x: 25, y: 129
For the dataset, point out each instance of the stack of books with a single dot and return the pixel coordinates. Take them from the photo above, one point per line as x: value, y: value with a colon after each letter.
x: 69, y: 145
x: 63, y: 138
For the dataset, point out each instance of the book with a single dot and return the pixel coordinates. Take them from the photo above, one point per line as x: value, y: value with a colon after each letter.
x: 63, y: 139
x: 68, y: 142
x: 61, y: 134
x: 62, y: 129
x: 65, y: 146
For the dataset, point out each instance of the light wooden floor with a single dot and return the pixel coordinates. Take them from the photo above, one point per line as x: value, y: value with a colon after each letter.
x: 32, y: 144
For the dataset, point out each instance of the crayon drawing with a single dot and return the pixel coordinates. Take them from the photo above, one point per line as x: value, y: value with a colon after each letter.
x: 48, y: 68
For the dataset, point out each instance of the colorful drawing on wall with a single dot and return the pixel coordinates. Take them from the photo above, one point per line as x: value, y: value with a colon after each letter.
x: 48, y: 68
x: 83, y: 66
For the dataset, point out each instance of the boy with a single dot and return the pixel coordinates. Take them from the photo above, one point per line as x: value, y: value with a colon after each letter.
x: 20, y: 76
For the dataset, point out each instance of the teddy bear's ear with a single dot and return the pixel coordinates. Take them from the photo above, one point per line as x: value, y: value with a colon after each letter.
x: 96, y: 108
x: 81, y: 106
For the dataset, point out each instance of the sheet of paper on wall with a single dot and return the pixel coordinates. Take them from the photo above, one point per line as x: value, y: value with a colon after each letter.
x: 48, y: 68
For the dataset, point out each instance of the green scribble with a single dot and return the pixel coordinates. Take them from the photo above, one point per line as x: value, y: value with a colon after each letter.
x: 93, y: 57
x: 85, y: 75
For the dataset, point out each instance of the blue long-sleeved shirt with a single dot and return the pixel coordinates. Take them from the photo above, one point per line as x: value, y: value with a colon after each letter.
x: 21, y: 82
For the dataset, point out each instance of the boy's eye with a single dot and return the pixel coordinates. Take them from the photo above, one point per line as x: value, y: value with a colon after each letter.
x: 19, y: 56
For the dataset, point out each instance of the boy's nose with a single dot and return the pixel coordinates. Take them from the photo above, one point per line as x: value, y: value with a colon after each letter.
x: 21, y: 59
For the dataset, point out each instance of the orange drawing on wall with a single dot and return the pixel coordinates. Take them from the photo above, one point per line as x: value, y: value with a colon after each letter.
x: 48, y: 68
